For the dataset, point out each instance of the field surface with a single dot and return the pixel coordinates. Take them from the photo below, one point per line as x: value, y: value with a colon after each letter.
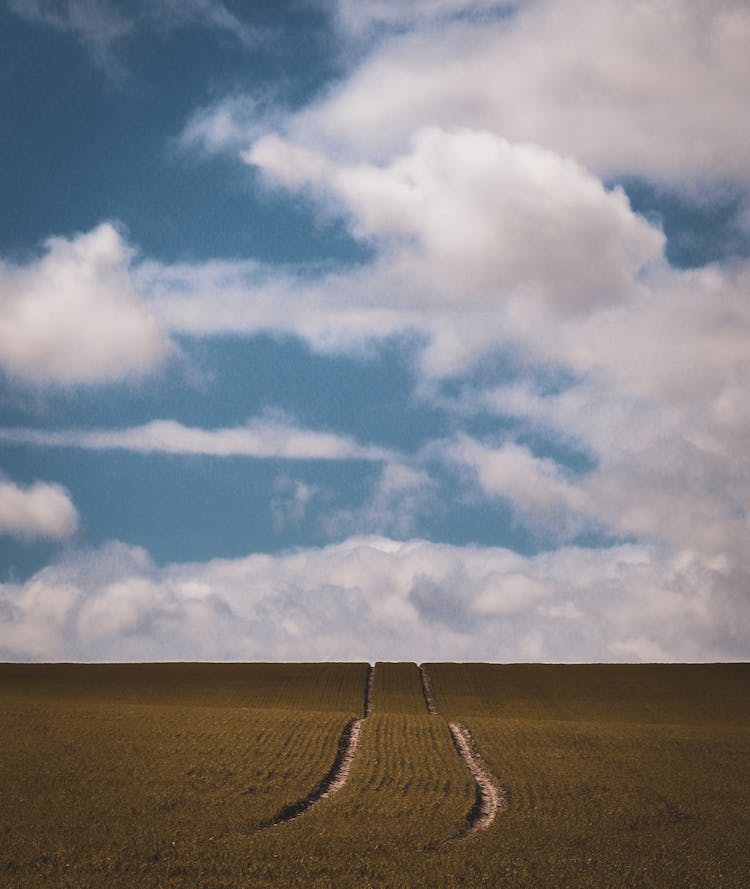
x: 173, y: 775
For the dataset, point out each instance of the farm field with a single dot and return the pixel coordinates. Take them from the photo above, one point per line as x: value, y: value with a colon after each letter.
x: 170, y: 775
x: 616, y: 775
x: 152, y: 775
x: 398, y: 689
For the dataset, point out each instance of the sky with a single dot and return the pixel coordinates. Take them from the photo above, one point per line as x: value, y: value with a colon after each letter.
x: 372, y: 330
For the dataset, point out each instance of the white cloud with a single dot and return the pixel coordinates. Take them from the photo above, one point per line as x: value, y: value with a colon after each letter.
x: 399, y: 497
x: 231, y: 124
x: 264, y: 437
x: 75, y: 316
x: 657, y: 407
x: 466, y: 215
x: 38, y: 510
x: 478, y: 242
x: 650, y: 88
x: 291, y: 502
x: 373, y: 598
x: 550, y: 498
x: 484, y: 245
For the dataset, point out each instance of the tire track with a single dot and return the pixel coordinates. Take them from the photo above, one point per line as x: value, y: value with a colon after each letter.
x: 336, y: 776
x: 490, y: 798
x: 429, y: 697
x: 369, y: 690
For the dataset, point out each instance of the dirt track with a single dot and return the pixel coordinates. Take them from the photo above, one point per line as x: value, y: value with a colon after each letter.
x: 490, y: 798
x: 429, y: 697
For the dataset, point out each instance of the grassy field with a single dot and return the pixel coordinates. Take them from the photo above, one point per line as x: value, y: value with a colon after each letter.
x: 164, y: 775
x: 158, y: 775
x: 616, y: 775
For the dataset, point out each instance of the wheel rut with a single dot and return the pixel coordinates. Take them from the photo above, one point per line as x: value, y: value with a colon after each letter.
x: 429, y: 697
x: 369, y: 690
x: 336, y: 776
x: 490, y: 798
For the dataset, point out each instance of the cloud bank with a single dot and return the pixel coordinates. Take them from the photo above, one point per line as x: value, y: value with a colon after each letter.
x: 368, y: 598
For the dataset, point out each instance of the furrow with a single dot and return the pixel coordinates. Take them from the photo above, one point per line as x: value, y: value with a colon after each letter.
x: 490, y: 798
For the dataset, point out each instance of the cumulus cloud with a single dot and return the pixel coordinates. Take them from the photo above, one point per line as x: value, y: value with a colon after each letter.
x: 477, y: 241
x: 485, y: 245
x: 263, y: 437
x: 38, y: 510
x: 467, y: 215
x: 75, y: 316
x: 374, y: 598
x: 550, y: 498
x: 655, y: 400
x: 649, y: 88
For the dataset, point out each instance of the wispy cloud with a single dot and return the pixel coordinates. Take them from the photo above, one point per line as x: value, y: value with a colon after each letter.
x: 104, y: 26
x: 361, y: 17
x: 99, y: 24
x: 261, y: 438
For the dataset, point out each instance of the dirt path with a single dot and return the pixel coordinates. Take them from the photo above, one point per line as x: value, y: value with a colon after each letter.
x: 490, y: 798
x: 429, y: 697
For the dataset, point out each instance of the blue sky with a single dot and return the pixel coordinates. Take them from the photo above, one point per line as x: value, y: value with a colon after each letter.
x: 365, y: 330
